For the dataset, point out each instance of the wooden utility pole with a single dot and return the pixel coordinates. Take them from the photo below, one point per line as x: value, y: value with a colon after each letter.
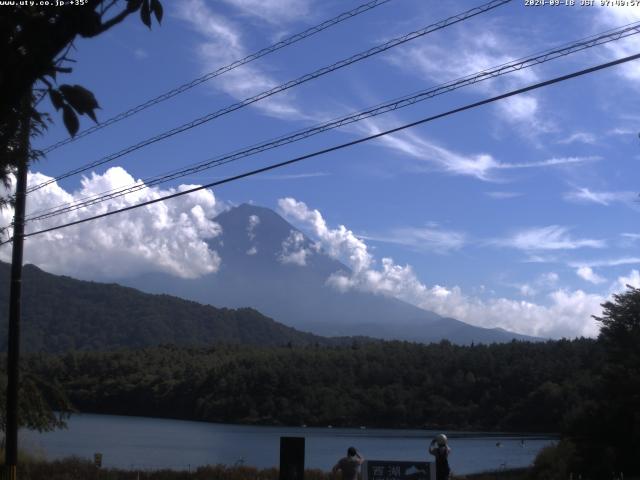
x: 13, y: 356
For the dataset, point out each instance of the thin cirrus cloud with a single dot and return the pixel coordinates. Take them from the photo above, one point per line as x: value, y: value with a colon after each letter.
x: 567, y: 313
x: 274, y: 11
x: 608, y: 17
x: 548, y: 238
x: 478, y: 50
x: 499, y: 195
x: 429, y: 238
x: 223, y: 44
x: 293, y: 176
x: 585, y: 195
x: 606, y: 262
x: 578, y: 137
x: 482, y: 166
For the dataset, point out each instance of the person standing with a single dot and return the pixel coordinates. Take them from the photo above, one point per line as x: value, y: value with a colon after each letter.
x: 349, y: 466
x: 439, y: 449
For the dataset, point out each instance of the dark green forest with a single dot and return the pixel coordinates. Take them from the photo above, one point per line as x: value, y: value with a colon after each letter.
x: 61, y: 313
x: 516, y: 386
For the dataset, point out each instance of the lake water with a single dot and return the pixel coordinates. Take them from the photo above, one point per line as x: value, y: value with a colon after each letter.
x: 152, y: 443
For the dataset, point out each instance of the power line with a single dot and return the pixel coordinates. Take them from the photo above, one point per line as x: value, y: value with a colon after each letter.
x: 344, y: 145
x: 280, y: 88
x: 365, y: 7
x: 525, y: 62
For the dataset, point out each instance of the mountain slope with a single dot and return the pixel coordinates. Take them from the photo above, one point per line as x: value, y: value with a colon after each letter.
x: 253, y: 274
x: 60, y: 313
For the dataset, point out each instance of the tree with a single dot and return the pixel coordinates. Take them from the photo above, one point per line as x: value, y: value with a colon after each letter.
x: 35, y: 42
x: 620, y: 337
x: 44, y: 406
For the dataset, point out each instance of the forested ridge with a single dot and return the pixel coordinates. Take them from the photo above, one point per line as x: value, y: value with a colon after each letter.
x: 516, y: 386
x: 61, y: 313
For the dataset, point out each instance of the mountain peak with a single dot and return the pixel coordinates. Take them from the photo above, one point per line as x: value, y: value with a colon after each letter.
x: 270, y: 265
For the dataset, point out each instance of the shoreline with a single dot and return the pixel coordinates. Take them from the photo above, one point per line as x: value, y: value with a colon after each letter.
x: 456, y: 433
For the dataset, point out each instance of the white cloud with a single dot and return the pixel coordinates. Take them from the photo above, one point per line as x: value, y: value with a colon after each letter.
x: 293, y: 249
x: 140, y: 53
x: 615, y: 17
x: 548, y: 279
x: 339, y: 243
x: 611, y: 262
x: 552, y: 237
x: 584, y: 195
x: 432, y: 238
x: 223, y: 45
x: 165, y: 237
x: 478, y: 51
x: 479, y: 165
x: 293, y: 176
x: 527, y: 290
x: 579, y: 137
x: 254, y: 221
x: 622, y: 131
x: 631, y: 236
x: 633, y: 280
x: 543, y: 283
x: 568, y: 313
x: 550, y: 162
x: 274, y: 11
x: 503, y: 195
x: 586, y: 273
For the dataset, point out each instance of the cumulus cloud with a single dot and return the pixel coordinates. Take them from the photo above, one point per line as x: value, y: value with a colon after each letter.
x: 254, y: 221
x: 552, y: 237
x: 294, y: 250
x: 632, y: 280
x: 165, y: 237
x: 587, y: 273
x: 566, y: 313
x: 339, y: 243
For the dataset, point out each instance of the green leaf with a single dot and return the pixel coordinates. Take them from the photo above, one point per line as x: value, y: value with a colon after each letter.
x: 145, y: 13
x: 70, y: 120
x: 81, y: 99
x: 156, y: 7
x: 56, y: 99
x: 133, y: 5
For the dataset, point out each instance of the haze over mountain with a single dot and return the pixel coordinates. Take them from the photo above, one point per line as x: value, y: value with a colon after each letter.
x: 61, y: 313
x: 269, y: 265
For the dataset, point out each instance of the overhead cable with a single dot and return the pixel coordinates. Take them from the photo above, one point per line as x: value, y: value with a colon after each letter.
x: 516, y: 65
x: 341, y: 146
x: 280, y: 88
x: 365, y: 7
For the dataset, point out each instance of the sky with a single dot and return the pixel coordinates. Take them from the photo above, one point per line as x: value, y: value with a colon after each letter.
x: 522, y: 214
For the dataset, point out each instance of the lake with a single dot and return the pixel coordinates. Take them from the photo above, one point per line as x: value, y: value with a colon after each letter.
x: 152, y: 443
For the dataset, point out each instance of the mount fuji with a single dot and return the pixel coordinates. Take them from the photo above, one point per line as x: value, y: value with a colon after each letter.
x: 259, y: 269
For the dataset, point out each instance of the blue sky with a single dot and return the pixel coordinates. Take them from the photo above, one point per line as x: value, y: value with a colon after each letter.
x: 521, y: 214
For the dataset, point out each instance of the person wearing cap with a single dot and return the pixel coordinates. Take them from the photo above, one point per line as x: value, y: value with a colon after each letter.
x: 349, y: 465
x: 439, y: 449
